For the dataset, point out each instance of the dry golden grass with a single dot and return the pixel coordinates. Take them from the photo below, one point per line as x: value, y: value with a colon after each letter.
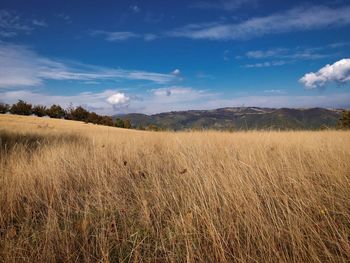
x: 74, y: 192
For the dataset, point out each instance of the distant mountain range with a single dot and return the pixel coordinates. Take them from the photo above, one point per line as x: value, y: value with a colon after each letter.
x: 239, y: 118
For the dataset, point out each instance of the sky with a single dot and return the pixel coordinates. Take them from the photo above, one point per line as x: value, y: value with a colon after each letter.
x: 151, y: 56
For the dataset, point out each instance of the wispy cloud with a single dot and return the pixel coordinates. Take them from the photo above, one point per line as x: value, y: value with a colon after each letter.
x: 266, y: 53
x: 11, y: 24
x: 274, y: 91
x: 296, y: 19
x: 178, y: 91
x: 338, y: 73
x: 284, y: 53
x: 227, y: 5
x: 115, y: 36
x: 135, y: 8
x: 266, y: 64
x: 41, y: 23
x: 21, y: 66
x: 153, y: 18
x: 284, y: 56
x: 65, y: 17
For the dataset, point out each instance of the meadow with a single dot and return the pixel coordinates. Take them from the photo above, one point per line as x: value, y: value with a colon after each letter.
x: 76, y: 192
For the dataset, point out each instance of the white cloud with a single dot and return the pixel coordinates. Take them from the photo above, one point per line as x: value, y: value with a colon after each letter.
x: 176, y: 72
x: 296, y: 19
x: 20, y: 67
x: 339, y: 72
x: 118, y: 99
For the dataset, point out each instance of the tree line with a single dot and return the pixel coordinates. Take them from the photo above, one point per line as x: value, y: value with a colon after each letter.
x: 57, y: 112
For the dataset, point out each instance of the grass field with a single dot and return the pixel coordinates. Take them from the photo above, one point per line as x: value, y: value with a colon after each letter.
x: 75, y: 192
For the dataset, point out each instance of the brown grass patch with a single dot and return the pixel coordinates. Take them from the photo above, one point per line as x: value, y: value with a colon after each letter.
x: 113, y: 195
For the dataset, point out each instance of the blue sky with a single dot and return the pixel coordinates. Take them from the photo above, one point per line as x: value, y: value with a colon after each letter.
x: 155, y: 56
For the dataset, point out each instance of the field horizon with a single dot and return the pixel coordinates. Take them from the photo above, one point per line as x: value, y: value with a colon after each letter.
x: 72, y: 191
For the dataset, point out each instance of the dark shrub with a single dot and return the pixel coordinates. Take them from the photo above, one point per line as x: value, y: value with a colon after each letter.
x: 79, y: 114
x: 107, y: 120
x: 119, y: 123
x: 56, y: 111
x: 93, y: 118
x: 21, y: 108
x: 127, y: 124
x: 4, y: 108
x: 39, y: 110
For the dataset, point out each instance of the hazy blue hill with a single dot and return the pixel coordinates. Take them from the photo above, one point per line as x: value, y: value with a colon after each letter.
x: 239, y: 118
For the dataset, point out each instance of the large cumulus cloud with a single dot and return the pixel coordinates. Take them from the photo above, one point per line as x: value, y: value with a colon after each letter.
x: 339, y: 73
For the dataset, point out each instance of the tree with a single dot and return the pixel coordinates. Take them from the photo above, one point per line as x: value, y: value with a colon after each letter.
x: 21, y: 108
x: 39, y: 110
x: 56, y: 111
x: 79, y: 114
x: 119, y: 123
x: 93, y: 118
x: 127, y: 124
x: 69, y: 109
x: 4, y: 108
x: 107, y: 120
x: 344, y: 121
